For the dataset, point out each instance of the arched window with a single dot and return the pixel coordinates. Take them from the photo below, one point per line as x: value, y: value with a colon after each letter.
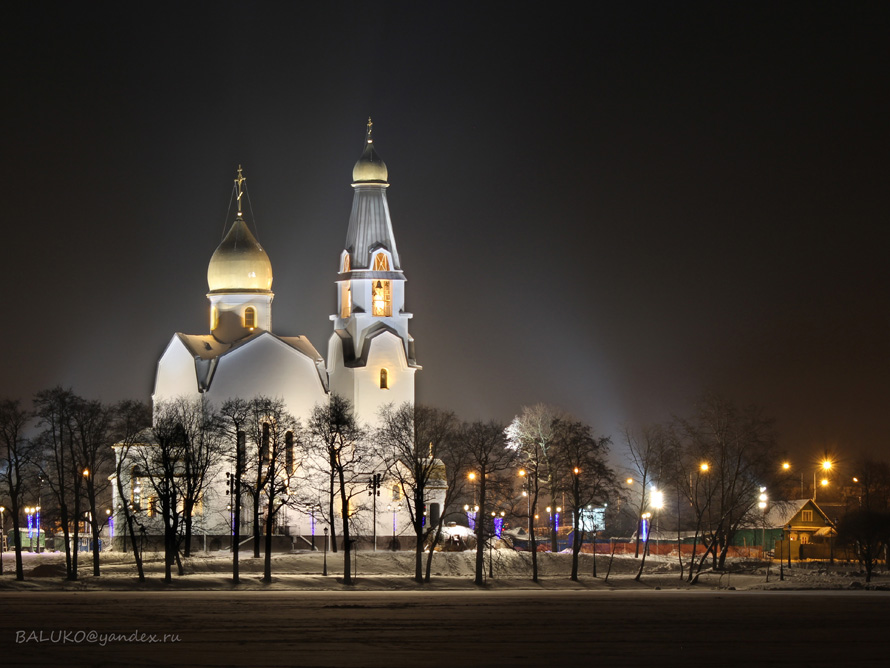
x: 381, y: 262
x: 250, y: 317
x: 381, y: 298
x: 384, y: 379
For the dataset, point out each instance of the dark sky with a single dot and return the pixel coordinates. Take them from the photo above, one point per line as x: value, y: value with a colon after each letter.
x: 611, y: 210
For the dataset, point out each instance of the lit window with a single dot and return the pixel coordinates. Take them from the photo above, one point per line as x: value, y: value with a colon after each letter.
x: 384, y: 379
x: 347, y: 265
x: 214, y: 318
x: 806, y: 516
x: 381, y: 298
x: 137, y: 489
x: 381, y: 262
x: 250, y: 317
x: 345, y: 300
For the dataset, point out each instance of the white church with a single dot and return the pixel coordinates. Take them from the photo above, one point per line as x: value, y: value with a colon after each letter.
x: 371, y: 360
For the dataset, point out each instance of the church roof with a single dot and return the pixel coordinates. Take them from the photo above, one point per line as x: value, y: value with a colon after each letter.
x: 370, y: 226
x: 207, y: 352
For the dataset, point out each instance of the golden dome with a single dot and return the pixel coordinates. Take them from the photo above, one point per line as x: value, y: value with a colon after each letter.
x: 239, y: 264
x: 369, y: 167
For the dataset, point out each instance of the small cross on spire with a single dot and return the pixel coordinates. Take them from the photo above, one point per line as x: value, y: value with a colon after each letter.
x: 370, y: 127
x: 238, y: 182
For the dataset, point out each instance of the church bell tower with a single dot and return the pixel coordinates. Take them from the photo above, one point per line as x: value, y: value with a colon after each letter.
x: 371, y: 358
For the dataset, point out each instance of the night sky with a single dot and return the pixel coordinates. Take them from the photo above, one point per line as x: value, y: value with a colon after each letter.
x: 612, y: 210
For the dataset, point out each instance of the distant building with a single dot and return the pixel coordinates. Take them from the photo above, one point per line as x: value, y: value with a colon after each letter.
x: 787, y: 525
x: 371, y: 359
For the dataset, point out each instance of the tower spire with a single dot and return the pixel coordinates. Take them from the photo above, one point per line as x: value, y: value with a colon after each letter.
x: 370, y: 127
x: 239, y: 181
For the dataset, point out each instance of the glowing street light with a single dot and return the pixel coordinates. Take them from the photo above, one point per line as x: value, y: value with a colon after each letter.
x: 703, y: 467
x: 825, y: 466
x: 657, y: 499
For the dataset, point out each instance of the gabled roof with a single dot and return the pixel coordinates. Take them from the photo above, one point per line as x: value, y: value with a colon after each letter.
x: 207, y: 352
x: 353, y: 360
x: 781, y: 513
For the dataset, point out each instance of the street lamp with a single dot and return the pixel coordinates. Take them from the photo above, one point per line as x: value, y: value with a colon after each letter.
x: 656, y: 497
x: 825, y: 467
x: 761, y: 503
x: 2, y: 536
x: 325, y: 569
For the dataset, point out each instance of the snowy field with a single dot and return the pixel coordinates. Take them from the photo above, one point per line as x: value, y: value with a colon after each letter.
x: 450, y: 570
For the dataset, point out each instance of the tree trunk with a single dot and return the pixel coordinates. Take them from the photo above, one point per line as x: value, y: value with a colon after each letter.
x: 136, y: 554
x: 418, y: 533
x: 267, y: 561
x: 429, y: 558
x: 72, y: 574
x: 187, y: 510
x: 480, y: 533
x: 347, y: 544
x: 533, y: 541
x: 66, y: 533
x: 235, y: 517
x: 576, y: 545
x: 17, y: 541
x: 331, y: 510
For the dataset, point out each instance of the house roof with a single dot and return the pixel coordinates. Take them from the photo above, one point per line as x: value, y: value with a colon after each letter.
x: 781, y: 513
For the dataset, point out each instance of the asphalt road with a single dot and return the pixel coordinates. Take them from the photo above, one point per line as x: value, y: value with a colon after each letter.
x: 477, y: 628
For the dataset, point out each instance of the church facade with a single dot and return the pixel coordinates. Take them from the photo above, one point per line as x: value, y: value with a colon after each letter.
x: 370, y: 357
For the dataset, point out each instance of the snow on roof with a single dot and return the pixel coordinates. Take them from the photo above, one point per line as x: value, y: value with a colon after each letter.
x: 781, y: 513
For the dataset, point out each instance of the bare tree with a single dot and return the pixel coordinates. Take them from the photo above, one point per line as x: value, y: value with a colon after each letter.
x: 530, y: 435
x: 648, y: 452
x: 738, y: 447
x: 235, y: 415
x: 410, y: 441
x: 865, y: 528
x: 589, y: 480
x: 130, y: 423
x: 14, y: 463
x: 334, y: 439
x: 490, y: 457
x: 456, y: 457
x: 161, y: 463
x: 93, y: 458
x: 58, y: 467
x: 273, y: 432
x: 202, y: 435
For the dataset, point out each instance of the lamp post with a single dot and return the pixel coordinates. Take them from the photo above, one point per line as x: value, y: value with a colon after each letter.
x: 2, y: 536
x: 657, y: 503
x: 762, y: 505
x: 325, y: 568
x: 825, y: 467
x: 374, y: 490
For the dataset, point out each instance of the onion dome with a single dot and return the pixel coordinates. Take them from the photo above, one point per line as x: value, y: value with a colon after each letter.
x: 369, y: 168
x: 239, y: 264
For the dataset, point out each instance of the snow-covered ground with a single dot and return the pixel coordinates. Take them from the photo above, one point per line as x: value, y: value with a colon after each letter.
x: 450, y: 570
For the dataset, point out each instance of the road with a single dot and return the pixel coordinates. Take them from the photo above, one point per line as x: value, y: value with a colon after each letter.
x: 476, y: 628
